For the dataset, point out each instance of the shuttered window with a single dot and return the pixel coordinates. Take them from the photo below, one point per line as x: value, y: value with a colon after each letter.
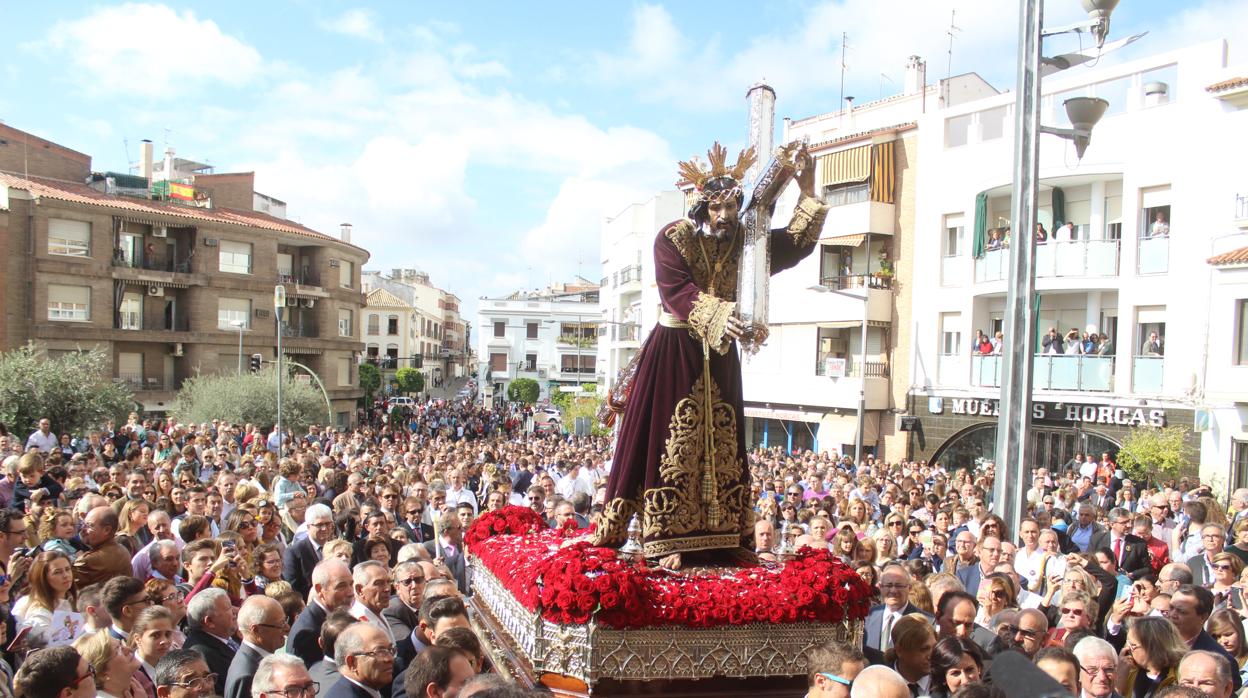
x: 69, y: 303
x: 233, y: 312
x: 69, y: 238
x: 235, y: 257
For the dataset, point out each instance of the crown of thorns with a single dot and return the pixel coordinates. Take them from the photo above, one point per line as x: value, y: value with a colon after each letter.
x: 692, y: 171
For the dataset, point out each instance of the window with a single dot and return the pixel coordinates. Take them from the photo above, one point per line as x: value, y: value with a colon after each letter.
x: 530, y: 362
x: 131, y: 311
x: 392, y: 325
x: 832, y: 344
x: 69, y: 238
x: 498, y: 363
x: 69, y: 303
x: 374, y: 323
x: 500, y: 328
x: 848, y: 193
x: 568, y: 363
x: 345, y: 324
x: 346, y: 273
x: 344, y: 370
x: 950, y: 335
x: 130, y: 368
x: 1239, y: 464
x: 285, y: 267
x: 231, y: 311
x: 955, y: 232
x: 235, y: 257
x: 530, y: 330
x: 1241, y: 332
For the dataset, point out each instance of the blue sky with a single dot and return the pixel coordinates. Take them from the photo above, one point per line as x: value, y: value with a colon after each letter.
x: 485, y: 141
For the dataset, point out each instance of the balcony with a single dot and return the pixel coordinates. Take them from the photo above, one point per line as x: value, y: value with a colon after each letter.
x: 154, y: 262
x: 134, y: 322
x: 630, y: 278
x: 301, y: 278
x: 1076, y: 372
x: 860, y: 217
x: 305, y: 328
x: 568, y: 340
x: 1071, y: 258
x: 1152, y: 255
x: 1147, y: 374
x: 138, y: 383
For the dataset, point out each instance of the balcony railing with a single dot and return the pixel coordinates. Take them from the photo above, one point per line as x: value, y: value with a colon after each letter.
x: 1055, y: 259
x: 875, y: 369
x: 572, y: 340
x: 1153, y: 255
x: 137, y: 382
x: 840, y: 283
x: 1147, y: 374
x: 630, y: 273
x: 301, y: 278
x: 300, y: 329
x: 134, y: 322
x: 156, y: 262
x: 627, y: 333
x: 1080, y: 372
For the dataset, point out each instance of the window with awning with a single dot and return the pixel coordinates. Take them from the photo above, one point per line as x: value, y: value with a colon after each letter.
x: 867, y: 170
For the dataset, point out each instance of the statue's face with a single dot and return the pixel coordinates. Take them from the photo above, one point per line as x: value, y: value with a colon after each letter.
x: 722, y: 216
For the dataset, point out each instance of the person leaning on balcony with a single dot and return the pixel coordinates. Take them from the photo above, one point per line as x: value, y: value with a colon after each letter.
x: 1073, y: 344
x: 1105, y: 347
x: 1089, y: 343
x: 1153, y: 346
x: 1052, y: 343
x: 1160, y: 226
x: 998, y: 342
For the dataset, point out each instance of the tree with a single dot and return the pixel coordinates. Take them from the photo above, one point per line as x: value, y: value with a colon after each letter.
x: 524, y: 390
x: 1152, y: 453
x: 75, y: 391
x: 370, y: 380
x: 251, y: 397
x: 586, y: 407
x: 410, y: 380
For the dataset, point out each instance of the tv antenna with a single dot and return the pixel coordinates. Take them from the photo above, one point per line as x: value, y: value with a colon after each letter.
x: 844, y: 49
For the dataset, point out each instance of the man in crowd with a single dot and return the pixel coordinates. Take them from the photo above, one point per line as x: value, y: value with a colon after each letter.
x: 262, y: 624
x: 56, y: 672
x: 325, y: 672
x: 833, y: 668
x: 1208, y: 673
x: 438, y: 672
x: 282, y: 676
x: 125, y: 599
x: 372, y: 586
x: 403, y: 612
x: 212, y: 624
x: 105, y: 558
x: 365, y: 658
x: 303, y: 555
x: 895, y: 587
x: 331, y: 590
x: 989, y: 552
x: 184, y: 674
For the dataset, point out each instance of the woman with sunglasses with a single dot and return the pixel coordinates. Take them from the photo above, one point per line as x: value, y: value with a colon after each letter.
x: 956, y: 662
x: 243, y: 521
x: 996, y: 593
x: 1226, y: 590
x: 113, y: 663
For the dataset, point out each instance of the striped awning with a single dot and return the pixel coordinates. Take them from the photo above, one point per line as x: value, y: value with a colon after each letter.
x: 853, y: 165
x: 844, y: 240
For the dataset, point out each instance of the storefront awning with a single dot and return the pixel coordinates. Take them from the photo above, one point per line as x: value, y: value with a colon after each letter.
x: 844, y: 240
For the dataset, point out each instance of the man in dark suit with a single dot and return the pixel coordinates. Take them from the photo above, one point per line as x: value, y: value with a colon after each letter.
x: 989, y: 552
x: 332, y: 590
x: 1190, y: 608
x: 1212, y: 539
x: 452, y: 549
x: 210, y: 618
x: 302, y: 555
x: 262, y: 623
x: 955, y: 616
x: 412, y: 520
x: 895, y: 590
x: 365, y: 657
x: 1130, y: 552
x: 325, y: 672
x: 403, y: 613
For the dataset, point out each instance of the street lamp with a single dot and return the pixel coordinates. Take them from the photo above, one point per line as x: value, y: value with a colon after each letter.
x: 240, y: 326
x: 279, y: 307
x: 1014, y: 424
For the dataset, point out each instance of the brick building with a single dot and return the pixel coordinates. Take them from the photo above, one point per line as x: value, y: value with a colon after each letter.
x: 168, y: 287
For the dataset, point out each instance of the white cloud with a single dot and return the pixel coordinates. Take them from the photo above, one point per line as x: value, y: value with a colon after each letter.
x: 150, y: 50
x: 355, y: 22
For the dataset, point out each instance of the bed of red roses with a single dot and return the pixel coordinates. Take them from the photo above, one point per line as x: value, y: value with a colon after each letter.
x: 571, y: 584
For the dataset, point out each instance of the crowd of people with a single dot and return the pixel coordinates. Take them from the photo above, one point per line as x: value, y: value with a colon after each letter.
x: 161, y: 559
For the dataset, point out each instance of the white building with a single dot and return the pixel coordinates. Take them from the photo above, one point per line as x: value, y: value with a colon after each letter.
x: 389, y: 332
x: 628, y: 297
x: 550, y: 336
x: 436, y: 344
x: 1168, y: 150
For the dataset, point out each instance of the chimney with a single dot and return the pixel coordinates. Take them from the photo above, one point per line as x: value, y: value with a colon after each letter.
x: 169, y: 164
x: 346, y: 232
x: 916, y: 76
x: 145, y: 160
x: 1156, y: 93
x: 847, y: 122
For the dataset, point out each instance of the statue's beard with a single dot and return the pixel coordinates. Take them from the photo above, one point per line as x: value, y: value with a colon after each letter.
x: 723, y: 229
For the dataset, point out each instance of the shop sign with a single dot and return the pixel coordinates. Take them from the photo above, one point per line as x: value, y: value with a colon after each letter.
x: 1060, y: 412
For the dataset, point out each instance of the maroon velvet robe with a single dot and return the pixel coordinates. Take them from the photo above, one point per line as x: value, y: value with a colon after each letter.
x: 688, y: 501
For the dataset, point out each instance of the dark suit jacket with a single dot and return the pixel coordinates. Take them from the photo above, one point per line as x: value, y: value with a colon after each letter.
x: 419, y: 533
x: 343, y: 688
x: 401, y: 619
x: 1136, y: 562
x: 1196, y: 562
x: 297, y: 565
x: 875, y: 622
x: 325, y: 673
x: 970, y: 578
x: 217, y: 654
x: 456, y: 565
x: 302, y: 641
x: 242, y: 668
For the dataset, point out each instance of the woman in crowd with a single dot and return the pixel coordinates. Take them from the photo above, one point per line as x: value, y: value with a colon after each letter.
x: 338, y: 548
x: 956, y: 662
x: 266, y: 564
x: 911, y: 652
x: 113, y: 664
x: 243, y: 522
x: 151, y: 638
x: 844, y: 544
x: 1151, y: 657
x: 1227, y: 627
x: 1226, y: 589
x: 996, y: 593
x: 162, y: 592
x: 133, y: 518
x: 51, y: 581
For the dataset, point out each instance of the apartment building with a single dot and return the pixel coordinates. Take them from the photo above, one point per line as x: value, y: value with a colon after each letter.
x: 549, y: 335
x: 1150, y: 208
x: 436, y: 342
x: 170, y: 286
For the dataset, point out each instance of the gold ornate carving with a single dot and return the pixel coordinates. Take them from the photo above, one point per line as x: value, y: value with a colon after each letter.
x: 709, y: 318
x: 612, y: 528
x: 700, y: 490
x: 807, y: 221
x: 719, y: 262
x: 692, y: 170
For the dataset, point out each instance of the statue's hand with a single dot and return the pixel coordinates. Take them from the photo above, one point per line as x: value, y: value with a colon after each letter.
x: 805, y: 176
x: 735, y: 327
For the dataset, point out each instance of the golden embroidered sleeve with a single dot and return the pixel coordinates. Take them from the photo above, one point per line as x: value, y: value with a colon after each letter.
x: 807, y: 221
x: 709, y: 318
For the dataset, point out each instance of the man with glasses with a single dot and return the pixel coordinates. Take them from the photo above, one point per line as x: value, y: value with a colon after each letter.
x: 1030, y: 632
x: 262, y: 624
x: 1098, y: 667
x: 105, y: 558
x: 1173, y: 576
x: 451, y: 549
x: 365, y: 658
x: 184, y: 674
x: 281, y: 676
x: 1130, y: 552
x: 895, y: 591
x: 1213, y: 538
x: 989, y: 555
x: 964, y: 552
x: 403, y: 612
x: 1190, y: 608
x: 124, y: 598
x: 57, y: 672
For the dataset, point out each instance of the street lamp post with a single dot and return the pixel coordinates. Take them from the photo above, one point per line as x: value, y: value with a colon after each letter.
x: 1014, y: 424
x: 239, y: 325
x: 279, y: 307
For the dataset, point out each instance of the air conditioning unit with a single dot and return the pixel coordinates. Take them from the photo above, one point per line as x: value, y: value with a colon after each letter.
x: 333, y: 263
x: 210, y: 242
x: 177, y: 349
x: 155, y: 291
x: 308, y: 302
x: 160, y: 231
x: 292, y: 302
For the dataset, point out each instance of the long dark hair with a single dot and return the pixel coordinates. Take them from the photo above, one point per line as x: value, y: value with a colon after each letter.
x: 947, y: 654
x: 697, y: 212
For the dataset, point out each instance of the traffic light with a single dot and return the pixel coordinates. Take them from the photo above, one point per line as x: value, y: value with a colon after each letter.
x: 256, y: 360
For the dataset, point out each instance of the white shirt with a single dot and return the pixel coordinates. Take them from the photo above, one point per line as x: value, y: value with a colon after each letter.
x: 44, y: 442
x: 364, y: 613
x: 569, y: 486
x: 1027, y: 565
x: 455, y: 497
